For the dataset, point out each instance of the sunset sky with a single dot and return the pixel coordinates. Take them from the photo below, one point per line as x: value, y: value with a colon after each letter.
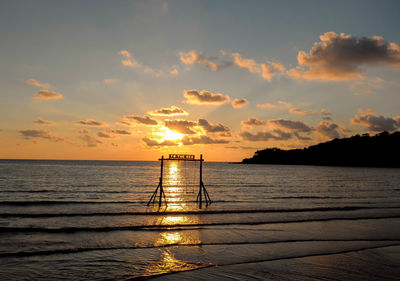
x: 132, y: 80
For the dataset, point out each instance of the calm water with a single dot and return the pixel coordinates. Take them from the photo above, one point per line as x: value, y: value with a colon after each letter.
x: 89, y: 220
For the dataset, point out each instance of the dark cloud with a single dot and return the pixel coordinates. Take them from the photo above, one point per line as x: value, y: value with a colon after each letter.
x: 145, y: 120
x: 214, y: 128
x: 91, y: 122
x: 252, y: 121
x: 111, y: 133
x: 181, y: 126
x: 152, y: 142
x: 40, y: 134
x: 47, y: 95
x: 89, y: 140
x: 339, y: 57
x: 202, y: 140
x: 239, y: 103
x: 265, y: 135
x: 168, y: 111
x: 204, y: 97
x: 290, y: 125
x: 326, y: 115
x: 327, y: 129
x: 377, y: 123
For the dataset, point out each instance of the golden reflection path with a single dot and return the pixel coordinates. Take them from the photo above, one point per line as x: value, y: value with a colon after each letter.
x: 175, y: 192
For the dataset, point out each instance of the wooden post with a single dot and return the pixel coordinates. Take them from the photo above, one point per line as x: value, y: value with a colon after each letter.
x: 161, y: 181
x: 160, y: 186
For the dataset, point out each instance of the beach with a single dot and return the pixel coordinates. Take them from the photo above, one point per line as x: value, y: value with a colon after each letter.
x: 88, y: 220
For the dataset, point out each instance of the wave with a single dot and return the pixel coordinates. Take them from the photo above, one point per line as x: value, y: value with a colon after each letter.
x: 175, y: 226
x: 202, y: 212
x: 90, y: 249
x: 328, y: 253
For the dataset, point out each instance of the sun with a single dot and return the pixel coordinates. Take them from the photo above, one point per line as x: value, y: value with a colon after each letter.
x: 170, y: 135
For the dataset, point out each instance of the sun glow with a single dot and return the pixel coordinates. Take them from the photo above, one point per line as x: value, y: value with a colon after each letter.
x: 169, y: 135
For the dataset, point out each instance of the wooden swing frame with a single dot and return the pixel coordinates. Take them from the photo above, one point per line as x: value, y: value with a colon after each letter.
x: 202, y: 189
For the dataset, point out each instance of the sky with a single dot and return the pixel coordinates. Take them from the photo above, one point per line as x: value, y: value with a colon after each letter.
x: 134, y: 80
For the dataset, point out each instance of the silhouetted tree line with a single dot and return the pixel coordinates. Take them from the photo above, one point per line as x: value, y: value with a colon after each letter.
x: 381, y: 150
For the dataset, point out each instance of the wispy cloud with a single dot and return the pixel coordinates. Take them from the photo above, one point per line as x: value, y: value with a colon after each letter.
x: 111, y: 133
x: 155, y: 143
x: 38, y: 84
x: 265, y: 135
x: 89, y: 140
x: 40, y: 134
x: 193, y: 57
x: 91, y: 122
x: 47, y: 95
x: 40, y: 121
x: 168, y: 111
x: 110, y: 81
x: 145, y: 120
x: 299, y: 111
x: 239, y: 103
x: 265, y: 70
x: 278, y: 104
x: 204, y: 97
x: 340, y: 57
x: 326, y: 115
x: 186, y: 140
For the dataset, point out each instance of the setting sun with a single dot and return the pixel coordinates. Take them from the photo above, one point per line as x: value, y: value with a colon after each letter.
x: 170, y: 135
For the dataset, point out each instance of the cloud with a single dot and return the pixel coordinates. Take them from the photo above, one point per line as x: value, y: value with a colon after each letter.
x: 299, y: 111
x: 145, y: 120
x: 90, y: 140
x: 174, y: 72
x: 35, y: 83
x: 186, y: 140
x: 168, y: 111
x: 204, y: 97
x: 211, y: 128
x: 327, y: 129
x: 193, y: 57
x: 128, y: 60
x: 278, y: 104
x: 265, y: 135
x: 265, y: 70
x: 47, y: 95
x: 289, y: 125
x: 181, y: 126
x: 376, y: 123
x: 340, y: 57
x: 239, y: 103
x: 252, y: 121
x: 110, y: 81
x: 40, y: 121
x: 366, y: 86
x: 40, y: 134
x: 111, y: 133
x: 91, y: 122
x: 152, y: 142
x: 326, y: 115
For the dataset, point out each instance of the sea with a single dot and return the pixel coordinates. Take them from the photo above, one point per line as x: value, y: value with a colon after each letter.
x: 89, y: 220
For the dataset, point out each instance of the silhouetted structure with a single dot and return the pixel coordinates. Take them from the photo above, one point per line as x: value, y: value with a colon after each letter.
x: 202, y: 189
x: 381, y: 150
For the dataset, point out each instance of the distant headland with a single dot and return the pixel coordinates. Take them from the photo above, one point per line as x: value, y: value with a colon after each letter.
x: 381, y: 150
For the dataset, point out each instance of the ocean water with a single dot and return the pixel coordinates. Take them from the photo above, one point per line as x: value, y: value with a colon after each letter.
x: 89, y: 220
